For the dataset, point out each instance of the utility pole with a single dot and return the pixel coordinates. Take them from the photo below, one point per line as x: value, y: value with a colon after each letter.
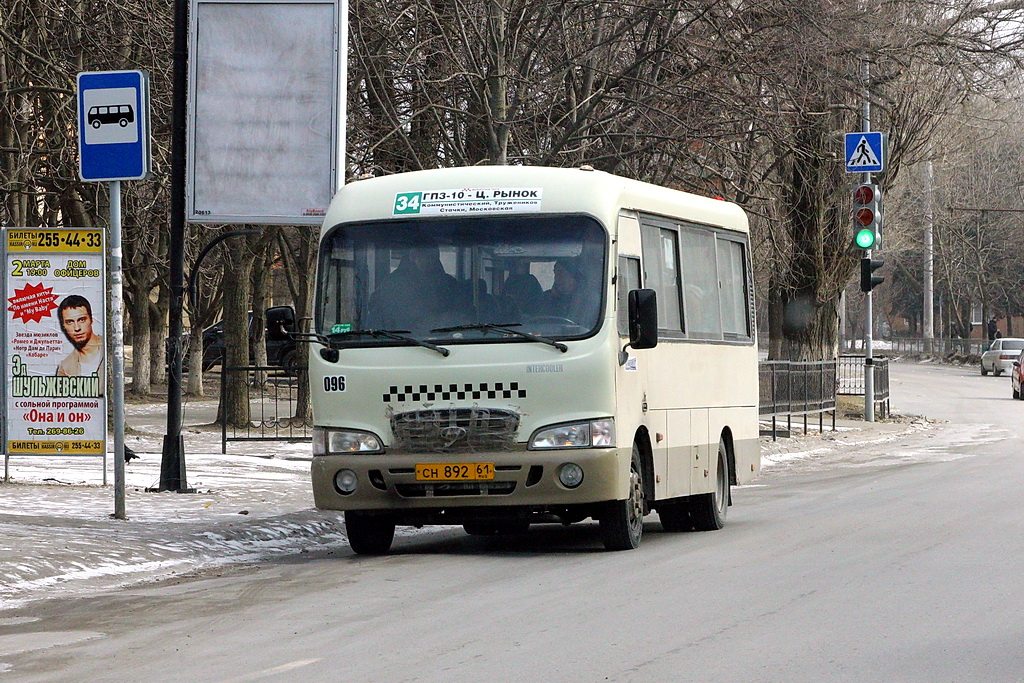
x: 928, y: 321
x: 172, y: 463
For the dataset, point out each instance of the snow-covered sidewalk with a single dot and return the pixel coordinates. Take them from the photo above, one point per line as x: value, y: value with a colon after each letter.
x: 57, y: 535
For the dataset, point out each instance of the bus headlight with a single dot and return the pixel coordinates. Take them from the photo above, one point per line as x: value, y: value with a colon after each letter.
x: 339, y: 441
x: 590, y: 434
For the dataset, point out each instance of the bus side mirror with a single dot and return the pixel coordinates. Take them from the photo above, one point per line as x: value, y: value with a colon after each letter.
x: 643, y: 318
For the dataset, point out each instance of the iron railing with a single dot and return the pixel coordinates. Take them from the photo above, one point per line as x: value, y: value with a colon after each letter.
x: 938, y: 346
x: 789, y: 388
x: 272, y: 395
x: 851, y: 378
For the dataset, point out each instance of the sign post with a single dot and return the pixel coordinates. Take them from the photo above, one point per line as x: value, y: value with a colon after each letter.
x: 865, y: 153
x: 114, y: 145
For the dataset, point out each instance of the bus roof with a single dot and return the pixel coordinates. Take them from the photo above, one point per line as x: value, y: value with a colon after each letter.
x: 507, y: 190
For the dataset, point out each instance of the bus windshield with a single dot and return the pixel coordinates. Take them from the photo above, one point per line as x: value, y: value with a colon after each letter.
x: 539, y: 275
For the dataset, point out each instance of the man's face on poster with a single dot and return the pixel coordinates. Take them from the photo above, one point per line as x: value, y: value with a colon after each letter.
x: 77, y: 324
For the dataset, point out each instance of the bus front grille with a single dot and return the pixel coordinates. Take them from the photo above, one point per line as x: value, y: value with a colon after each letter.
x: 454, y: 489
x: 453, y: 430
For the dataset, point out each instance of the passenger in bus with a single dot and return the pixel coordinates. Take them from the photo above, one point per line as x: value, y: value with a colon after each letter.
x: 489, y: 308
x: 569, y: 296
x: 523, y: 288
x: 416, y: 296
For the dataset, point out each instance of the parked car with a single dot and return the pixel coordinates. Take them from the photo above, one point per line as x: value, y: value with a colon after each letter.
x: 1015, y: 377
x: 1000, y: 355
x: 281, y: 347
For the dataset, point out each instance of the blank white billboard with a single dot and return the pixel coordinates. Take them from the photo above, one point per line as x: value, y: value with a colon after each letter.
x: 263, y: 111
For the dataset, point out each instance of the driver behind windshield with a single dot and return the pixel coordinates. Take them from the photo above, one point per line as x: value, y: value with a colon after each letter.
x: 415, y: 296
x: 568, y: 297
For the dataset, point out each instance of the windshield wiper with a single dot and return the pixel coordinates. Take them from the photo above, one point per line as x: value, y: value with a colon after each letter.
x: 507, y: 328
x: 400, y: 335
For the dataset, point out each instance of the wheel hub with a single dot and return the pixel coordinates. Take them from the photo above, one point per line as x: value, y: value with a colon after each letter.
x: 636, y: 510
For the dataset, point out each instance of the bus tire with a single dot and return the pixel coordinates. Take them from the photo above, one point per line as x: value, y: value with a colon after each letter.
x: 622, y: 522
x: 369, y: 534
x: 675, y: 516
x: 709, y: 509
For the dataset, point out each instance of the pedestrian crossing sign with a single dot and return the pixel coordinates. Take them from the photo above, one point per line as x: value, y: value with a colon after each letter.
x: 865, y: 152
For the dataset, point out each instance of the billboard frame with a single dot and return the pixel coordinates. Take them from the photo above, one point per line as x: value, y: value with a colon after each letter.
x: 275, y: 214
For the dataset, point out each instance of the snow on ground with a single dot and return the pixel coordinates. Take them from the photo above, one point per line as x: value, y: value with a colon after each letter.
x: 57, y: 534
x: 255, y: 502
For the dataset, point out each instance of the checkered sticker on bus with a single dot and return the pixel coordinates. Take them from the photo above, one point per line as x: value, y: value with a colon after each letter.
x: 453, y: 392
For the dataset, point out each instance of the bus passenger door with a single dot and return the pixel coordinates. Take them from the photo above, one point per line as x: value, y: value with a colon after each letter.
x: 633, y: 376
x: 700, y: 476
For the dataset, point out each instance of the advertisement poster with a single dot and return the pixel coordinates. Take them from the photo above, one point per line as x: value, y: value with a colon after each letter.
x: 54, y: 355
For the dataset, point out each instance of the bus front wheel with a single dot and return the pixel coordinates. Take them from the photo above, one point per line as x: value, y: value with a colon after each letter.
x: 622, y: 523
x: 709, y: 510
x: 369, y: 534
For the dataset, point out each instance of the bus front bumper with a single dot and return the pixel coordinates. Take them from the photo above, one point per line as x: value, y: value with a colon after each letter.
x: 521, y: 478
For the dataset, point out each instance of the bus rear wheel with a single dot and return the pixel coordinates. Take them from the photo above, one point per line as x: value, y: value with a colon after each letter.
x: 709, y: 510
x: 369, y: 534
x: 622, y: 523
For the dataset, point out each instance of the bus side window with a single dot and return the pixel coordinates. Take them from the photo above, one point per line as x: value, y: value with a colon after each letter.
x: 662, y: 273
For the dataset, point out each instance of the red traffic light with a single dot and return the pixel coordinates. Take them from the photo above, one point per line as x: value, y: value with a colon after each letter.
x: 865, y: 194
x: 864, y: 216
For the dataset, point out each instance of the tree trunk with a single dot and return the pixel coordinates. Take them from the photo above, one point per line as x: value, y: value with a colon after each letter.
x: 158, y: 329
x: 260, y: 302
x: 299, y: 255
x: 140, y: 340
x: 194, y: 386
x: 235, y: 402
x: 775, y: 315
x: 307, y: 254
x: 811, y: 331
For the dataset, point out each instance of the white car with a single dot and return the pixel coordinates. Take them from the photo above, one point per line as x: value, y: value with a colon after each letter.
x: 1000, y: 355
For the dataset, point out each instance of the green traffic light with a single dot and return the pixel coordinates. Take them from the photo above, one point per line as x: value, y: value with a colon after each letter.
x: 865, y: 238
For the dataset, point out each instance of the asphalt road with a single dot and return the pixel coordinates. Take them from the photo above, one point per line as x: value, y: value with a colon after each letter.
x: 894, y: 561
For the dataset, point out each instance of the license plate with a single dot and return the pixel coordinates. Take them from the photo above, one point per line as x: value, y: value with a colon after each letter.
x: 455, y: 471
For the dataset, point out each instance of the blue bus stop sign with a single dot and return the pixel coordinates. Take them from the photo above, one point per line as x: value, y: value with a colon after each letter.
x: 113, y: 125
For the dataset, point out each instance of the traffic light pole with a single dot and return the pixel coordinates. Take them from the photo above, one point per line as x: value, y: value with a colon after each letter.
x: 869, y: 363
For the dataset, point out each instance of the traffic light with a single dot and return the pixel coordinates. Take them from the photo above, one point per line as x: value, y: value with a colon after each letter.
x: 867, y: 215
x: 868, y: 281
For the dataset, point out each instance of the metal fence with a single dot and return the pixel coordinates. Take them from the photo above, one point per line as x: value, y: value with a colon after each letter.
x: 273, y: 396
x: 937, y: 346
x: 851, y: 378
x: 787, y: 389
x: 791, y: 388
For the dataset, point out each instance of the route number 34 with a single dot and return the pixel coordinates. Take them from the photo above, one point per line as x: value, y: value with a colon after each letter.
x: 407, y: 202
x: 334, y: 383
